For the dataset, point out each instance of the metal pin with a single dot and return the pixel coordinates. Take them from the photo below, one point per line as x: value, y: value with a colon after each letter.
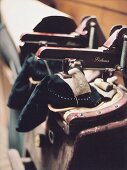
x: 124, y: 52
x: 92, y: 32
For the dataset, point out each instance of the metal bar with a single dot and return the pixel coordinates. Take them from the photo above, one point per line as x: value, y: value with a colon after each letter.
x: 124, y: 52
x: 35, y: 36
x: 93, y: 58
x: 92, y: 34
x: 54, y: 39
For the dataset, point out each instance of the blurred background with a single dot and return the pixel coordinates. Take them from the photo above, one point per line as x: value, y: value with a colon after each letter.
x: 13, y: 23
x: 108, y: 12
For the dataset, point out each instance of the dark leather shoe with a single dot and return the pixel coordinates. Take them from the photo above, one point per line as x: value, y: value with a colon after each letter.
x: 55, y: 91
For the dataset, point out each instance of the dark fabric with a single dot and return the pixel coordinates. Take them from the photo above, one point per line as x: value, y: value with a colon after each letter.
x: 27, y: 49
x: 21, y: 89
x: 55, y: 91
x: 60, y: 95
x: 56, y: 24
x: 35, y: 111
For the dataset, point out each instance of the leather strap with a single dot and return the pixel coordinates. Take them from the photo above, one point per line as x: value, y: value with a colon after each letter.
x: 77, y: 82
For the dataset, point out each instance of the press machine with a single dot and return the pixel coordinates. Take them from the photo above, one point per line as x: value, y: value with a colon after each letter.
x: 80, y: 138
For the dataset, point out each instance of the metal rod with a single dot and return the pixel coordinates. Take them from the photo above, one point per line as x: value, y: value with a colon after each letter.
x: 92, y: 33
x: 124, y: 52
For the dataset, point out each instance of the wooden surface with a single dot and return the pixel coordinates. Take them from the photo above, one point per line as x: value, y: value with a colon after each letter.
x: 51, y: 156
x: 4, y: 116
x: 4, y: 161
x: 15, y: 159
x: 73, y: 153
x: 108, y: 12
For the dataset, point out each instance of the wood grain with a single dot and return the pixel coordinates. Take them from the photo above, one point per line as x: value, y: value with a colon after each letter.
x: 108, y: 12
